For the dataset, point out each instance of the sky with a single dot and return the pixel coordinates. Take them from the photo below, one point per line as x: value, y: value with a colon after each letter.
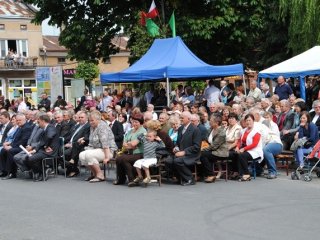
x: 49, y: 30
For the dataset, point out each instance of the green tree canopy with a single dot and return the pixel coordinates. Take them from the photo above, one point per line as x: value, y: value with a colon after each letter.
x: 87, y: 71
x: 304, y: 22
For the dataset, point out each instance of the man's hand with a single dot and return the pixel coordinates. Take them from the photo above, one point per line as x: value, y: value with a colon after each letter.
x: 7, y: 147
x: 68, y: 145
x: 49, y: 150
x: 29, y: 148
x: 180, y: 154
x: 81, y: 140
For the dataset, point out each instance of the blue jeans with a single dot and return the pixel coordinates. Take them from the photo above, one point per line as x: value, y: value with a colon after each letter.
x: 299, y: 153
x: 269, y: 151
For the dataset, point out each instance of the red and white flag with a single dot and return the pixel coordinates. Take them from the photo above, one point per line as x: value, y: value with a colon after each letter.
x: 153, y: 12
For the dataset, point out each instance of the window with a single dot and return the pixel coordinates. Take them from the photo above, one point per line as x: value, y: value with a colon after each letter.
x: 2, y: 27
x: 61, y: 60
x: 18, y: 46
x: 23, y: 27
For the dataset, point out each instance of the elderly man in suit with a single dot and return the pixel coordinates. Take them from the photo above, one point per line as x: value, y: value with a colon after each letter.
x: 10, y: 149
x: 32, y: 145
x: 79, y: 139
x: 187, y: 150
x: 116, y: 127
x: 286, y: 122
x: 48, y: 147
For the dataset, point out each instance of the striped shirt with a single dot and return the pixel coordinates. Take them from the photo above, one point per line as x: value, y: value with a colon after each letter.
x: 149, y: 148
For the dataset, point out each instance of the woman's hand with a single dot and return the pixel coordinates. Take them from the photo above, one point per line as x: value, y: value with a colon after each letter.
x: 106, y: 160
x: 241, y: 150
x: 236, y: 150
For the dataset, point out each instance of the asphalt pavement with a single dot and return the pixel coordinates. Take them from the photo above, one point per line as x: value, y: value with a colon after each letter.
x: 74, y: 209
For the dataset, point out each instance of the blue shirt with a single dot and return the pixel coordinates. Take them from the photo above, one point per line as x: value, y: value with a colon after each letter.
x: 283, y: 91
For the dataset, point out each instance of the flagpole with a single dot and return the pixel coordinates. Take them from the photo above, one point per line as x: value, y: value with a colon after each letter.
x: 168, y: 92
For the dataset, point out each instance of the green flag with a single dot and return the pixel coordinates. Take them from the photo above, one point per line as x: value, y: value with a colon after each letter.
x: 172, y: 23
x: 152, y: 28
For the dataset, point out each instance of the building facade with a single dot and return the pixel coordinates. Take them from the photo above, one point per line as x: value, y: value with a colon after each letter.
x: 23, y: 49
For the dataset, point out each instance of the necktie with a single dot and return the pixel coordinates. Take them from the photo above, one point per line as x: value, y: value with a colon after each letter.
x: 110, y: 125
x: 78, y: 129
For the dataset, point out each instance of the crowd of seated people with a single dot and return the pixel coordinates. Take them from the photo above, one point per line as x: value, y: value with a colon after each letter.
x: 221, y: 124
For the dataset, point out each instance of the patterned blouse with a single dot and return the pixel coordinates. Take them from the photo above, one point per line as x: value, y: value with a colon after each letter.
x: 102, y: 137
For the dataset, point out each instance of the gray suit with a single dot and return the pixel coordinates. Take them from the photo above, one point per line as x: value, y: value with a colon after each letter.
x: 34, y: 142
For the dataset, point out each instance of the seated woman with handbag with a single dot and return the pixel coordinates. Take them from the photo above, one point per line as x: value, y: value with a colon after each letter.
x: 309, y: 131
x: 217, y: 148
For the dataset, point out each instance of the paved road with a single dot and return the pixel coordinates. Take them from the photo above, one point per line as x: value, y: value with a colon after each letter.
x: 74, y: 209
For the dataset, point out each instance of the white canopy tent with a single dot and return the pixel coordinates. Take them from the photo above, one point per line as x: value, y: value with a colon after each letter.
x: 300, y: 66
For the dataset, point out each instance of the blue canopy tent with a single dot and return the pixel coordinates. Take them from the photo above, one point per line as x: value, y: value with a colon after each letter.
x: 169, y: 58
x: 300, y: 66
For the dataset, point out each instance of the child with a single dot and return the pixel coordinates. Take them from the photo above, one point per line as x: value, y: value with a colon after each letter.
x: 150, y: 143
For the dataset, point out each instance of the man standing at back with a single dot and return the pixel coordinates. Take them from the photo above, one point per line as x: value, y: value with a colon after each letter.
x: 211, y: 94
x: 283, y: 90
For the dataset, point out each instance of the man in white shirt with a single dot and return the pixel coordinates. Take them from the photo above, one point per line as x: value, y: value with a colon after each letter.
x: 22, y: 106
x: 223, y: 85
x: 254, y: 91
x: 105, y: 101
x: 149, y: 95
x: 315, y: 115
x: 151, y: 110
x: 211, y: 94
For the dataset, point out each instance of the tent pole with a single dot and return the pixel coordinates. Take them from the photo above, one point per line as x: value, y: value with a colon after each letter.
x: 168, y: 92
x: 302, y: 81
x: 244, y: 85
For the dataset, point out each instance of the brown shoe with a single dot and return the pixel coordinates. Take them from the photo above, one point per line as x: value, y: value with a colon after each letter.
x: 210, y: 179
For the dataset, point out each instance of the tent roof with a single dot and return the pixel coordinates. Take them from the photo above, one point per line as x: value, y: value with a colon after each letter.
x: 170, y: 58
x: 306, y: 63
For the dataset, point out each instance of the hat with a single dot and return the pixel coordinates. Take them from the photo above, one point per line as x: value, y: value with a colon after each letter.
x: 138, y: 117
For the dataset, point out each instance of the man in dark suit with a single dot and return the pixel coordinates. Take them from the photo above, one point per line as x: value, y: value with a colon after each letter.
x: 21, y: 136
x: 187, y: 150
x: 79, y: 139
x: 5, y: 126
x: 48, y: 147
x: 315, y: 115
x: 67, y: 125
x: 195, y: 120
x: 32, y: 146
x: 286, y: 122
x: 116, y: 127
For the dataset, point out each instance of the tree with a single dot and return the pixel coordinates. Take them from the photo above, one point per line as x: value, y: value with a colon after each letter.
x: 304, y: 31
x: 87, y: 26
x: 87, y: 71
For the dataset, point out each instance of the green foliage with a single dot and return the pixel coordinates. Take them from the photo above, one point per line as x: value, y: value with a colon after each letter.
x: 87, y: 26
x: 304, y: 31
x: 87, y: 71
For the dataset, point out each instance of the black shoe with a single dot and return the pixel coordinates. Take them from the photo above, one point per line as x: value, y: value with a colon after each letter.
x: 10, y: 176
x: 3, y: 174
x: 188, y: 183
x: 37, y: 177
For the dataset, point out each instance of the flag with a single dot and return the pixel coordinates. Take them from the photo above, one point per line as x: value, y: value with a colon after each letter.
x: 152, y: 28
x: 172, y: 23
x: 143, y: 16
x: 153, y: 12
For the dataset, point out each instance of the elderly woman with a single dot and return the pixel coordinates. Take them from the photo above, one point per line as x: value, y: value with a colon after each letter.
x: 156, y: 126
x: 173, y: 131
x: 249, y: 147
x: 309, y: 131
x: 217, y: 148
x: 273, y: 145
x: 100, y: 149
x: 232, y: 137
x: 133, y: 149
